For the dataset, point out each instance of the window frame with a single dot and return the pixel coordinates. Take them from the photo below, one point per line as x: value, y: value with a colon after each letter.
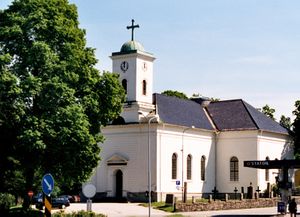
x: 234, y: 169
x: 203, y: 168
x: 124, y: 84
x: 174, y: 166
x: 144, y: 87
x: 189, y: 159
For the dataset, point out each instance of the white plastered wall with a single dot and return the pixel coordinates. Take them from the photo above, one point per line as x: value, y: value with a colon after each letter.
x: 129, y: 141
x: 243, y: 145
x: 195, y: 142
x: 273, y: 146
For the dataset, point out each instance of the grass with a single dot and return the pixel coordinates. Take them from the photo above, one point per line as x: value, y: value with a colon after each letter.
x: 161, y: 206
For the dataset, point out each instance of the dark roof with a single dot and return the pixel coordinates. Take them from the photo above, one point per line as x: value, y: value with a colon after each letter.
x: 173, y: 110
x: 263, y: 122
x: 228, y: 115
x: 239, y: 115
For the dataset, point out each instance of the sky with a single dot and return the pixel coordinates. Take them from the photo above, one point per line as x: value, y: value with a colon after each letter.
x: 226, y: 49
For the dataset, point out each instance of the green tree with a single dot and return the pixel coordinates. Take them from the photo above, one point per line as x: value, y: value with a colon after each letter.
x: 53, y: 101
x: 175, y: 93
x: 296, y: 129
x: 267, y: 110
x: 285, y: 122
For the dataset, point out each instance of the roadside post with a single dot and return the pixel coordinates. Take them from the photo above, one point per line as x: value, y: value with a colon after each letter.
x: 89, y: 191
x: 30, y: 194
x: 47, y: 187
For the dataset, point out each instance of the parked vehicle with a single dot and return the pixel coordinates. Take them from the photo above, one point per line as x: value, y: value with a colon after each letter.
x: 38, y: 198
x: 60, y: 202
x: 69, y: 197
x: 72, y: 198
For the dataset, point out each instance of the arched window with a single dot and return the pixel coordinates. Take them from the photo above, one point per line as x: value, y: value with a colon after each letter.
x: 174, y: 166
x: 234, y: 169
x: 144, y: 87
x: 189, y: 167
x: 203, y: 162
x: 267, y: 175
x: 124, y: 84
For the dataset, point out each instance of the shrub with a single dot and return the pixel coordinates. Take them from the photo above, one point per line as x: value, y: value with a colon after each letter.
x: 6, y: 201
x: 20, y: 212
x: 77, y: 214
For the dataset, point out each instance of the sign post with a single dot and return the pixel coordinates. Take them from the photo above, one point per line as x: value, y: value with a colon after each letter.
x: 30, y: 194
x: 89, y: 191
x: 47, y: 187
x: 284, y: 165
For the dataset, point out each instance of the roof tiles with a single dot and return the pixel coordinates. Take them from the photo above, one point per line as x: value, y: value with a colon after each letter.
x: 228, y: 115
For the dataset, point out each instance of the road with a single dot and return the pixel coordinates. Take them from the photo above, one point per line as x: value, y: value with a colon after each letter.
x: 134, y: 210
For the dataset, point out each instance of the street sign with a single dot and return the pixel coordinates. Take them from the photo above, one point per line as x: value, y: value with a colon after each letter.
x: 30, y: 193
x: 89, y: 190
x: 47, y: 184
x: 177, y: 182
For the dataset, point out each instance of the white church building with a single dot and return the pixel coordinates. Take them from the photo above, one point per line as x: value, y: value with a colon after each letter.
x: 197, y: 142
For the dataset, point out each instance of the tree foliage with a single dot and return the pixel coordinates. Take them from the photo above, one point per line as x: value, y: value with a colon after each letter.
x: 53, y: 101
x: 175, y: 93
x: 285, y: 122
x: 267, y: 110
x: 296, y: 129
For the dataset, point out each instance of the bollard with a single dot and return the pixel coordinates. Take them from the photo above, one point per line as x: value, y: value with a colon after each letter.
x: 185, y: 192
x: 242, y: 196
x: 174, y: 204
x: 210, y: 198
x: 226, y: 197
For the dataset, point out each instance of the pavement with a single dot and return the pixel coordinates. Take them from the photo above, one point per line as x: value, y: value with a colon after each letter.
x: 135, y: 210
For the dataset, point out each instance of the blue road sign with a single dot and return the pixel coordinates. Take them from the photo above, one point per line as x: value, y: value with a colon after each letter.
x: 47, y: 183
x: 177, y: 182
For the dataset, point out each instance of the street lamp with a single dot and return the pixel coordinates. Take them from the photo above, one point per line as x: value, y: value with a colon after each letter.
x: 149, y: 117
x: 182, y: 162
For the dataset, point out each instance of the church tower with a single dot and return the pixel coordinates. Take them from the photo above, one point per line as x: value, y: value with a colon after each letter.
x: 135, y: 67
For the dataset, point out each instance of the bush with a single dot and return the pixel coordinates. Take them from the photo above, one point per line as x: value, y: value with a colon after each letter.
x: 20, y: 212
x: 77, y: 214
x: 6, y: 201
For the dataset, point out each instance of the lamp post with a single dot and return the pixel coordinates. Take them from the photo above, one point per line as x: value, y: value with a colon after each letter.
x: 182, y: 162
x: 149, y: 118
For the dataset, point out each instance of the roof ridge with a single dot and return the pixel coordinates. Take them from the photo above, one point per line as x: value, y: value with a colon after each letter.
x: 250, y: 114
x: 211, y: 120
x: 227, y: 100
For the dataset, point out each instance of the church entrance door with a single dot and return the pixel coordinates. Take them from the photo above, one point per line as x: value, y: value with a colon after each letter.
x: 119, y: 183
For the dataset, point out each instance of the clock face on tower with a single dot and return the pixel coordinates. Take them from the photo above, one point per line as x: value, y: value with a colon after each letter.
x: 124, y: 66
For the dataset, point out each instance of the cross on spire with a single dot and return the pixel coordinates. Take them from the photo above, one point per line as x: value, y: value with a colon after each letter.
x: 132, y: 27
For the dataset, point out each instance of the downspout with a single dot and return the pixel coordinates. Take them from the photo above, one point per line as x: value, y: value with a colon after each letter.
x: 258, y: 155
x: 160, y: 154
x: 216, y: 136
x: 216, y: 133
